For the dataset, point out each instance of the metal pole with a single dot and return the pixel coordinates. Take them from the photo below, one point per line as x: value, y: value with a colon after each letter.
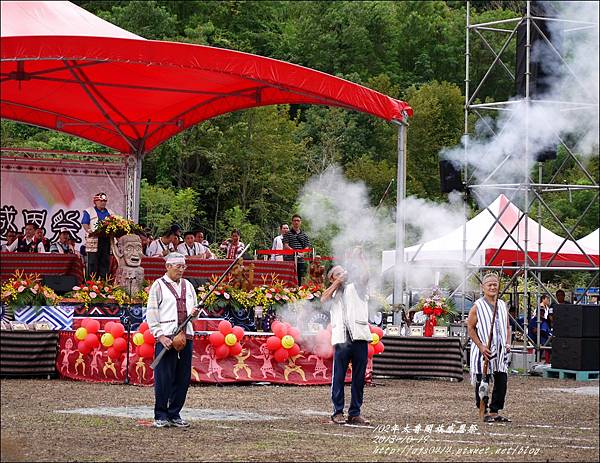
x: 398, y: 295
x: 526, y: 160
x: 465, y: 157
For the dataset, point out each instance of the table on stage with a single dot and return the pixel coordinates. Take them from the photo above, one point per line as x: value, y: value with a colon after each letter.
x: 42, y: 264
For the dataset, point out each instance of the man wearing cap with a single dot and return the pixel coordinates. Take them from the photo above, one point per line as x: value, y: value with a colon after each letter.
x: 171, y: 299
x: 97, y: 247
x: 62, y: 246
x: 479, y: 325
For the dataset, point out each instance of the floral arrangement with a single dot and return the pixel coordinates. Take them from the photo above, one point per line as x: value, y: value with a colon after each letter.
x: 96, y: 291
x: 437, y: 306
x: 23, y: 290
x: 265, y: 295
x: 116, y: 226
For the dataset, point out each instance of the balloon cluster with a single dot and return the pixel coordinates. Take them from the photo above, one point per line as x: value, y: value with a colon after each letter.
x: 283, y: 343
x: 322, y: 343
x: 376, y: 346
x: 87, y: 335
x: 144, y: 341
x: 226, y: 341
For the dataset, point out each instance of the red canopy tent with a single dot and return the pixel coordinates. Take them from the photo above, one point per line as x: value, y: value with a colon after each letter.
x: 65, y: 69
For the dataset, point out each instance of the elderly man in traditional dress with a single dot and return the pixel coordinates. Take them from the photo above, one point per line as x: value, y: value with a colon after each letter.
x: 97, y: 248
x: 479, y: 326
x: 171, y: 299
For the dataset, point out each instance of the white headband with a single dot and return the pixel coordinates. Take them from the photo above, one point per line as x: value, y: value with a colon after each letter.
x: 490, y: 276
x: 175, y: 258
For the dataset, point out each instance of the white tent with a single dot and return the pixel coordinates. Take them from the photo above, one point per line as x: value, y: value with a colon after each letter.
x: 591, y: 241
x: 448, y: 249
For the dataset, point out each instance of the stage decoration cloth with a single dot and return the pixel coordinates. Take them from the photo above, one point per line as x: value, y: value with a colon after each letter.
x: 42, y: 264
x: 57, y: 317
x: 265, y: 272
x: 254, y: 364
x: 420, y: 357
x: 28, y: 353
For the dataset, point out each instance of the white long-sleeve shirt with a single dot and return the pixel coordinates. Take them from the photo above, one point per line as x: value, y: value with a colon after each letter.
x: 278, y: 246
x: 195, y: 250
x: 161, y: 314
x: 157, y: 247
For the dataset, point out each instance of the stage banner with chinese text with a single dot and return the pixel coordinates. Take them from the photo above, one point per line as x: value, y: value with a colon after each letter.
x: 54, y: 193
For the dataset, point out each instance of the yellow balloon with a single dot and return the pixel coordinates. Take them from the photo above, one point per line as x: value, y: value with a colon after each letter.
x: 375, y: 338
x: 138, y: 339
x: 81, y: 333
x: 230, y: 339
x: 287, y: 341
x: 107, y: 339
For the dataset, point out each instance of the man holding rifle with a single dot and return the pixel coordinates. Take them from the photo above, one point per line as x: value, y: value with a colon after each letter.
x: 172, y: 299
x: 489, y: 330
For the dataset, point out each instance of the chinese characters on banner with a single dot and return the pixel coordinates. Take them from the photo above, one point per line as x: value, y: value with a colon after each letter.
x: 54, y: 193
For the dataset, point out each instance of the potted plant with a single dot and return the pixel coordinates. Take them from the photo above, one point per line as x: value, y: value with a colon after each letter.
x: 25, y: 292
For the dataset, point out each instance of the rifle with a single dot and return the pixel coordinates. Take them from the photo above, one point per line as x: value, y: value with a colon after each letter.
x: 183, y: 324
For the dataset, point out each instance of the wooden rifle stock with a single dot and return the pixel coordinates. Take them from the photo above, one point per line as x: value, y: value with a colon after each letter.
x: 182, y: 326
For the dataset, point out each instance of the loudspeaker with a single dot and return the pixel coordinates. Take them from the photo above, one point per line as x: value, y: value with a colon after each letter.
x: 576, y: 353
x: 543, y: 60
x: 576, y: 321
x: 450, y: 177
x: 61, y: 284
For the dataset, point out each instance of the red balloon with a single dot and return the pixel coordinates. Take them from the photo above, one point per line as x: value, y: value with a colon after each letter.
x: 117, y: 330
x: 379, y: 331
x: 371, y: 351
x: 378, y: 348
x: 236, y: 349
x: 294, y: 333
x: 225, y: 327
x: 294, y: 350
x: 281, y: 354
x: 216, y: 339
x: 113, y: 354
x: 238, y: 331
x: 280, y: 330
x: 222, y: 351
x: 143, y: 327
x: 148, y: 338
x: 108, y: 326
x: 274, y: 324
x: 273, y: 343
x: 120, y: 345
x: 92, y: 340
x: 93, y: 326
x: 84, y: 347
x: 146, y: 351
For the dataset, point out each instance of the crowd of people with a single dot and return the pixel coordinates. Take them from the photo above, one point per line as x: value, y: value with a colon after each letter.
x: 95, y: 251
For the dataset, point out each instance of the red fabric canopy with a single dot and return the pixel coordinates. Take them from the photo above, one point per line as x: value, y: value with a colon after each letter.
x: 68, y: 70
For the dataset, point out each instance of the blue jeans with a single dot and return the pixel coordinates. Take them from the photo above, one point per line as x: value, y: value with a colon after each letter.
x: 171, y: 381
x: 355, y: 351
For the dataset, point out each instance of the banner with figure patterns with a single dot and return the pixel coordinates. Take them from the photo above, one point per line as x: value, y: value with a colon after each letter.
x: 54, y: 193
x: 254, y: 364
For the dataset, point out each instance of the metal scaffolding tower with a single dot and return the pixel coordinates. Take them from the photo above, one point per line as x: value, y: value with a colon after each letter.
x: 531, y: 192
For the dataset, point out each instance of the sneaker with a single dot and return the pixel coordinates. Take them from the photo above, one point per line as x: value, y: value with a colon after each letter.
x: 162, y: 424
x: 338, y: 418
x: 357, y: 421
x: 179, y: 423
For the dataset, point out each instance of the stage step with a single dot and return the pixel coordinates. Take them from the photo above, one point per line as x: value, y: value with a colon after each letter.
x: 570, y: 374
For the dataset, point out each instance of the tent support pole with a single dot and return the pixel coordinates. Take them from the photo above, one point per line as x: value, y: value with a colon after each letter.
x: 398, y: 296
x: 134, y: 179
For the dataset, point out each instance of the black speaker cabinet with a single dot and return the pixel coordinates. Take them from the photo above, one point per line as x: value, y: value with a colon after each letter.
x: 576, y: 321
x: 450, y: 177
x: 581, y: 354
x: 61, y: 284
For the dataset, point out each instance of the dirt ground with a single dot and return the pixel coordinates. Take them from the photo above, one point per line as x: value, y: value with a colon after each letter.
x: 553, y: 420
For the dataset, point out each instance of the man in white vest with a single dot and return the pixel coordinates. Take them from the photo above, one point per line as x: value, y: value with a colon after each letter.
x: 350, y: 336
x: 278, y: 241
x: 171, y: 299
x: 479, y: 326
x: 97, y: 248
